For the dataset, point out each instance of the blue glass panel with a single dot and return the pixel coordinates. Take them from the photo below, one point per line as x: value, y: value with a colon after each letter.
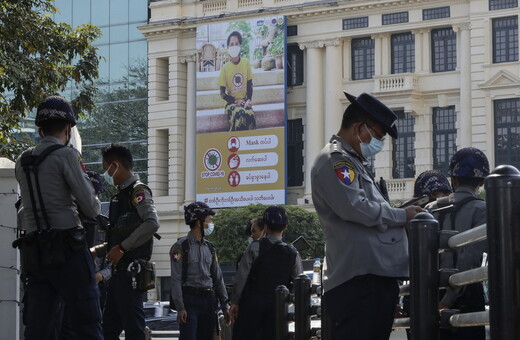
x: 134, y: 33
x: 137, y: 56
x: 104, y: 38
x: 100, y: 12
x: 103, y: 51
x: 118, y: 34
x: 80, y: 12
x: 118, y: 62
x: 138, y: 10
x: 64, y: 13
x: 118, y: 12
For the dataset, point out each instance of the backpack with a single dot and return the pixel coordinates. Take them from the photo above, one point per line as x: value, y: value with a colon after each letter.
x: 185, y: 246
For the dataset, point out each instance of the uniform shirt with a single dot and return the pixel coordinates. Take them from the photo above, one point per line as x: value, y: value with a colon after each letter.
x: 471, y: 215
x: 202, y: 271
x: 246, y: 263
x: 235, y: 77
x: 363, y: 233
x: 64, y: 186
x: 143, y: 203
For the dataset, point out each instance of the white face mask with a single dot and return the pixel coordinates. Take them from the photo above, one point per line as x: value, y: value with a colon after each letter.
x: 373, y: 147
x: 109, y: 179
x: 234, y: 51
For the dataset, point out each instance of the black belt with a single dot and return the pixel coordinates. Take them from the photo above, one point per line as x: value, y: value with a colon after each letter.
x: 202, y: 292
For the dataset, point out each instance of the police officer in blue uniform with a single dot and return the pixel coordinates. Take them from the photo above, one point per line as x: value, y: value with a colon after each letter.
x: 366, y: 246
x: 468, y: 169
x: 197, y: 284
x: 133, y: 222
x: 64, y: 187
x: 266, y: 264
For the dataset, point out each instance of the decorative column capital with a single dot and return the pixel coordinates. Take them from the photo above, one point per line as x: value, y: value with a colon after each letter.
x: 421, y: 31
x: 311, y: 44
x: 465, y: 26
x: 190, y: 58
x: 333, y: 42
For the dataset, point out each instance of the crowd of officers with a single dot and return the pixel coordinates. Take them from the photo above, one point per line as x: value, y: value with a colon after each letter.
x: 77, y: 263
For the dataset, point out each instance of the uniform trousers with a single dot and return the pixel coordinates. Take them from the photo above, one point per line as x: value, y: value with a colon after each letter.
x: 72, y: 284
x: 123, y: 309
x: 363, y: 308
x: 201, y: 318
x: 256, y: 317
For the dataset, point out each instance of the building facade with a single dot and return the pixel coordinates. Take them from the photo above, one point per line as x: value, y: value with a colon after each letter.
x: 449, y: 69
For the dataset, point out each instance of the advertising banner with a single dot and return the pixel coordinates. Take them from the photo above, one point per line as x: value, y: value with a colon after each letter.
x: 241, y: 112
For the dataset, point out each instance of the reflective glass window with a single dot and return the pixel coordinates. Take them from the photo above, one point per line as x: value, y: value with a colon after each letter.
x: 501, y: 4
x: 394, y: 18
x: 505, y: 39
x: 507, y: 131
x: 64, y: 13
x: 403, y: 53
x: 444, y: 137
x: 362, y: 58
x: 118, y: 12
x: 103, y: 51
x: 104, y: 38
x: 118, y: 34
x: 118, y: 62
x: 444, y: 50
x: 138, y: 10
x: 100, y: 12
x: 137, y: 57
x: 80, y: 12
x: 134, y: 33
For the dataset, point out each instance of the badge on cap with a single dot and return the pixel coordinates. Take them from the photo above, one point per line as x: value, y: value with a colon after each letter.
x: 345, y: 171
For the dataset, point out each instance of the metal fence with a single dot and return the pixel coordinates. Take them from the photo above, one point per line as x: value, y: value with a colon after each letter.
x: 502, y: 232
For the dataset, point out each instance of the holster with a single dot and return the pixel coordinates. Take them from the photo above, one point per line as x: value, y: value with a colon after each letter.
x: 146, y: 278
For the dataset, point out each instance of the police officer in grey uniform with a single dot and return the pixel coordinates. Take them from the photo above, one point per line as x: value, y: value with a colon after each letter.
x: 366, y: 246
x: 463, y: 210
x: 64, y: 186
x: 267, y: 263
x: 133, y: 223
x: 197, y: 284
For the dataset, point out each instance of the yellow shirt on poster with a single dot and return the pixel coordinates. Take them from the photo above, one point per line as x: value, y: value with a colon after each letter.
x: 235, y: 77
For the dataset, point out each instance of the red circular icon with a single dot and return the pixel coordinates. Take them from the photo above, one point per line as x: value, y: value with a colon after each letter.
x: 233, y: 161
x: 234, y: 178
x: 233, y: 144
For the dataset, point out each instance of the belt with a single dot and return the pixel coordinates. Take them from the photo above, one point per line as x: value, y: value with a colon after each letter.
x: 202, y: 292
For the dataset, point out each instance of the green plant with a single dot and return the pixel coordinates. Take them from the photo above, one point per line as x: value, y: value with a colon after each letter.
x: 278, y: 45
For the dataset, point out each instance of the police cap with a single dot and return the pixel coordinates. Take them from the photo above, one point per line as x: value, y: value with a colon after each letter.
x: 54, y: 108
x: 469, y: 162
x: 376, y: 110
x: 196, y: 211
x: 429, y: 182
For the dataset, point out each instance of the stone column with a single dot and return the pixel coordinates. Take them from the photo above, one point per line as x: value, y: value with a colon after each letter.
x: 191, y: 133
x: 426, y: 51
x: 464, y: 65
x: 347, y: 59
x: 333, y: 88
x: 313, y: 135
x: 378, y: 54
x: 386, y: 54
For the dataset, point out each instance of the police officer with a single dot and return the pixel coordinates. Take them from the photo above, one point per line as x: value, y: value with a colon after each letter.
x: 266, y: 264
x: 366, y: 245
x: 468, y: 168
x: 196, y: 279
x: 64, y: 186
x: 133, y: 222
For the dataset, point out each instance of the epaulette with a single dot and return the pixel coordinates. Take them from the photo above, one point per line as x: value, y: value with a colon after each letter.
x: 335, y: 147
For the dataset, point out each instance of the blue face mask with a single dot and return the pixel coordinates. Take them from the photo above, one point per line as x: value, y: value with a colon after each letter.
x: 372, y: 148
x: 209, y: 230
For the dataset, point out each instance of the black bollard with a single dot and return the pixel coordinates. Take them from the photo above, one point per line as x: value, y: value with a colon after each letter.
x: 424, y: 277
x: 302, y: 303
x: 503, y: 235
x: 327, y: 326
x: 282, y: 327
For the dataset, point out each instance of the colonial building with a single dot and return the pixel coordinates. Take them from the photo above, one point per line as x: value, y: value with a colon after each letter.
x: 449, y: 69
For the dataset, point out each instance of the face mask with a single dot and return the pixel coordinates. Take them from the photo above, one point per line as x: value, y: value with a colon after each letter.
x: 209, y: 230
x: 109, y: 179
x: 234, y: 51
x: 372, y: 148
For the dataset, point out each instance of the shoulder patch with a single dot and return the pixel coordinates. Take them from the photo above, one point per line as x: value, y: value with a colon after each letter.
x: 176, y: 255
x: 139, y: 196
x: 345, y: 172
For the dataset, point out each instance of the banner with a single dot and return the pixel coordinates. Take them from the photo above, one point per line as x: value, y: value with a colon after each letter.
x: 241, y: 112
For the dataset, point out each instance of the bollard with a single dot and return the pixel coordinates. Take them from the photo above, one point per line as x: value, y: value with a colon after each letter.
x: 302, y: 302
x: 503, y: 234
x: 282, y: 328
x: 424, y: 277
x: 327, y: 325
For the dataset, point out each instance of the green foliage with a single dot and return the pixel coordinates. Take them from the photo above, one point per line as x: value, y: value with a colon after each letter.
x: 39, y: 57
x: 230, y: 238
